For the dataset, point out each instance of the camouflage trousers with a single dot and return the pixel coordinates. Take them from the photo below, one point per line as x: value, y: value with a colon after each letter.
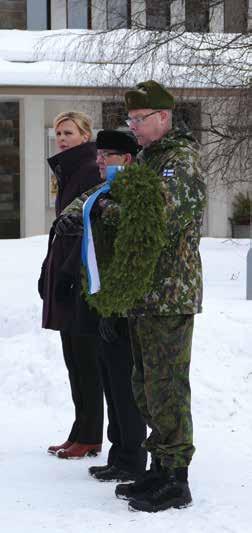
x: 161, y: 348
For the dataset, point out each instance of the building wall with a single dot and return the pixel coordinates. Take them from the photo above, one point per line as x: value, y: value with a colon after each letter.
x: 37, y: 216
x: 36, y: 116
x: 216, y: 23
x: 226, y: 162
x: 226, y: 15
x: 249, y: 15
x: 37, y: 113
x: 99, y: 17
x: 32, y: 157
x: 138, y: 13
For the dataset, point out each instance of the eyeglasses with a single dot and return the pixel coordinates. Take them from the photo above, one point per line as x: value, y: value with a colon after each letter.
x: 105, y: 154
x: 139, y: 120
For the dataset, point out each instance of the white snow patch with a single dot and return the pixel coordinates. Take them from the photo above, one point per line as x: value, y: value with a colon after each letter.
x: 41, y: 493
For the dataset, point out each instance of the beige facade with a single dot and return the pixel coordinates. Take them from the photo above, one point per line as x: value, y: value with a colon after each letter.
x: 39, y: 106
x: 29, y: 110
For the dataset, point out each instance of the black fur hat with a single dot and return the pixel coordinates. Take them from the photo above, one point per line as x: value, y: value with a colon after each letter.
x: 121, y: 141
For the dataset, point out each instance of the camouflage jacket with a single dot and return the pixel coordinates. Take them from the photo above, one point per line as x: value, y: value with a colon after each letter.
x: 177, y: 287
x: 76, y: 205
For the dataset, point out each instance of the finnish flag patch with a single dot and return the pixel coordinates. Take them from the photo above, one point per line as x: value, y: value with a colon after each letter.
x: 168, y: 172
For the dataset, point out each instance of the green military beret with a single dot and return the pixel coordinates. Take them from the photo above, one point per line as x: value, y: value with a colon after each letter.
x: 149, y: 95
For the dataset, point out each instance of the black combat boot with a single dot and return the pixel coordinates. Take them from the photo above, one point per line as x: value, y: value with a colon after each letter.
x: 171, y: 490
x: 113, y: 473
x: 144, y: 482
x: 95, y: 469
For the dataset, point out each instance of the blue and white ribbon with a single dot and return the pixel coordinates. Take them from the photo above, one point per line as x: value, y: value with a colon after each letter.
x: 88, y: 255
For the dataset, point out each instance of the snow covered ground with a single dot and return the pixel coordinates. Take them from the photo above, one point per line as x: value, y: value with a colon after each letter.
x: 40, y: 493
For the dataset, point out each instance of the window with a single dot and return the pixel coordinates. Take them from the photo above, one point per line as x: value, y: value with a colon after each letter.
x: 70, y: 14
x: 9, y: 171
x: 188, y: 114
x: 38, y: 12
x: 235, y: 16
x: 197, y: 15
x: 118, y: 14
x: 77, y: 14
x: 113, y: 115
x: 158, y: 16
x: 13, y: 15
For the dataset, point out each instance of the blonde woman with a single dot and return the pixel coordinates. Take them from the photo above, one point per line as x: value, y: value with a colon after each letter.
x: 59, y: 286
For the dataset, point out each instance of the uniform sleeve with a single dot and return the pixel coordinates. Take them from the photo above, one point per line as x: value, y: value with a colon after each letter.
x: 111, y: 213
x: 184, y: 192
x: 76, y: 205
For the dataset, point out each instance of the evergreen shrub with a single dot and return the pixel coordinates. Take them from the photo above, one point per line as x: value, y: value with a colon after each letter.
x: 128, y: 239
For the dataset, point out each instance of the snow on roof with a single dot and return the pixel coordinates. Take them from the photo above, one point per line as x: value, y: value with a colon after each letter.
x: 88, y: 58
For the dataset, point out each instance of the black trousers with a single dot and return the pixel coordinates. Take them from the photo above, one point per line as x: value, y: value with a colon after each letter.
x: 126, y: 428
x: 81, y: 358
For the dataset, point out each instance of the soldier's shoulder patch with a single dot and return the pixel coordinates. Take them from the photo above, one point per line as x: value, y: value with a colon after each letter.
x: 168, y: 172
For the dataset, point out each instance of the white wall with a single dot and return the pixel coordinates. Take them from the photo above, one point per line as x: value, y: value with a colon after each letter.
x: 32, y: 155
x: 58, y: 14
x: 138, y: 14
x: 99, y: 17
x: 250, y: 15
x: 224, y: 112
x: 178, y: 12
x: 217, y: 18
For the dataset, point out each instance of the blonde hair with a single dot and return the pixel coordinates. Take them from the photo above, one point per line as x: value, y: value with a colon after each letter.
x: 81, y: 120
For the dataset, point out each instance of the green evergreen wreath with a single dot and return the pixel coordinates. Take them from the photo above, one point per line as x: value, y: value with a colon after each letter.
x: 128, y: 240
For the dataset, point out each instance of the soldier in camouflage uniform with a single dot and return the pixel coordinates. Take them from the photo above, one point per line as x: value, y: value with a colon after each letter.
x: 161, y: 327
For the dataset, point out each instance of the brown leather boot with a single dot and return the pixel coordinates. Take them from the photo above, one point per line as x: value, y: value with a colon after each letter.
x: 54, y: 449
x: 77, y: 450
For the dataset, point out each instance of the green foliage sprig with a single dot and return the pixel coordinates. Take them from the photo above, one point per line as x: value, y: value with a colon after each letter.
x: 242, y: 209
x: 128, y: 240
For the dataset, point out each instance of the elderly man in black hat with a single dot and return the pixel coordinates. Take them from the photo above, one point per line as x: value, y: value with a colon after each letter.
x: 126, y: 428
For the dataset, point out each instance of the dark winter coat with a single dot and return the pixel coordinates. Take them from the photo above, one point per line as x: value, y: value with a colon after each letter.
x: 76, y: 171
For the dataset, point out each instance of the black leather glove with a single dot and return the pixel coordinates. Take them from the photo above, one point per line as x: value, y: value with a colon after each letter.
x: 64, y: 288
x: 69, y: 224
x: 107, y: 329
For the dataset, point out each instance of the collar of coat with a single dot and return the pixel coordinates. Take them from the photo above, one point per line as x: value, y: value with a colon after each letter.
x: 174, y: 137
x: 69, y: 161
